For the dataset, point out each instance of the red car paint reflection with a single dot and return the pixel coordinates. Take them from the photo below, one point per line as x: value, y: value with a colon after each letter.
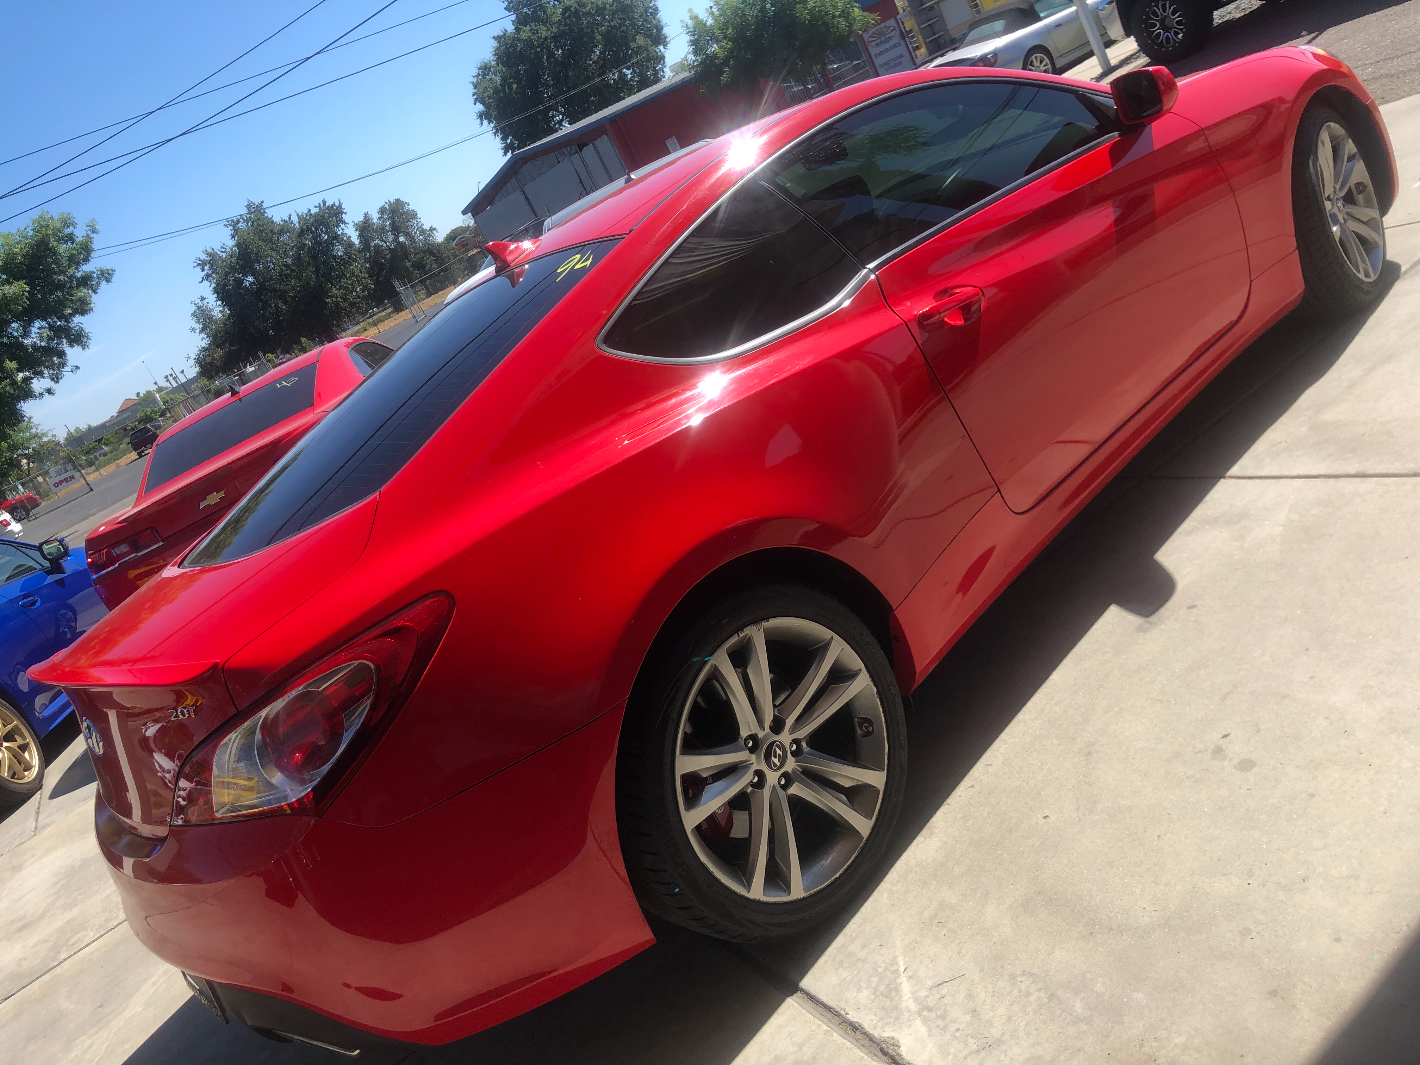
x: 586, y: 443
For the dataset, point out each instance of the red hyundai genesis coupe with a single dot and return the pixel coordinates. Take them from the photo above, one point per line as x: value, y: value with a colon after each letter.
x: 201, y: 466
x: 707, y: 478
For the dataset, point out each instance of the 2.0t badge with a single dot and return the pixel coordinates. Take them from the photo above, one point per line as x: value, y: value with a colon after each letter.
x: 92, y: 739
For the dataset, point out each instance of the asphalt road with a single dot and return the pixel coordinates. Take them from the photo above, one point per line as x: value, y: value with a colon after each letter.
x: 111, y: 493
x: 1380, y: 39
x: 396, y: 335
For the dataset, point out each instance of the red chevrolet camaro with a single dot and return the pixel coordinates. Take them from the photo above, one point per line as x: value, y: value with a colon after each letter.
x: 706, y: 478
x: 201, y: 466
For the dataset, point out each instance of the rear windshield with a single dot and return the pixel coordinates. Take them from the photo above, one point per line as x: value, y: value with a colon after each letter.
x: 368, y: 438
x: 243, y: 418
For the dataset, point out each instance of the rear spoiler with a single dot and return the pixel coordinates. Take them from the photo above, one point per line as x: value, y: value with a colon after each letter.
x: 53, y: 671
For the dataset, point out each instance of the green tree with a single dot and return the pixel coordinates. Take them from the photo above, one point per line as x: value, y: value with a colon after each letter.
x: 276, y: 282
x: 741, y: 41
x: 24, y: 449
x: 555, y: 46
x: 45, y: 289
x: 397, y: 246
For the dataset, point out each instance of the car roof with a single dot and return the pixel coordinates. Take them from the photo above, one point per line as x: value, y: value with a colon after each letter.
x: 650, y: 186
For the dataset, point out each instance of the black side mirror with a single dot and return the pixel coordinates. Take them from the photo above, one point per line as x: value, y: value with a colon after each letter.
x: 1143, y: 95
x: 54, y: 551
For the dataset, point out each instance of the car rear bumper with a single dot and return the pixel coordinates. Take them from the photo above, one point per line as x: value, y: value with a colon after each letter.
x: 480, y: 908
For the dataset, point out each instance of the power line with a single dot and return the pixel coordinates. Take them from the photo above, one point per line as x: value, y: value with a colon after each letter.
x: 158, y: 238
x: 185, y: 99
x: 133, y: 159
x: 258, y: 107
x: 139, y: 118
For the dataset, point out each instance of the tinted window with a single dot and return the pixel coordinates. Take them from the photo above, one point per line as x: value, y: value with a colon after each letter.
x: 377, y: 429
x: 368, y: 355
x: 1046, y: 8
x: 753, y: 265
x: 16, y: 563
x: 890, y: 172
x: 251, y: 413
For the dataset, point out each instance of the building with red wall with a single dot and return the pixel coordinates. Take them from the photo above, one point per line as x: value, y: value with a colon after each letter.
x: 538, y: 181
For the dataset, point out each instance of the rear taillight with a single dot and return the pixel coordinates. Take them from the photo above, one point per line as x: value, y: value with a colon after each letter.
x: 291, y: 754
x: 107, y: 557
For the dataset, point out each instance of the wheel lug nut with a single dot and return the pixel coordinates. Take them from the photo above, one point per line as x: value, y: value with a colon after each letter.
x: 757, y: 781
x: 751, y: 743
x: 785, y: 780
x: 777, y: 725
x: 795, y: 748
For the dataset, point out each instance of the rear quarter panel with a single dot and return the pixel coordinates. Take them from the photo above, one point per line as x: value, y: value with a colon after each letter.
x: 577, y: 496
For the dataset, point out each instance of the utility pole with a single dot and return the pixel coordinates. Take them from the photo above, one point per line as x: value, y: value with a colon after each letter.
x: 1092, y: 32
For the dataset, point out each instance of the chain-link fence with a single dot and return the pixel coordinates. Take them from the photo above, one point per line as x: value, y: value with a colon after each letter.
x: 417, y: 299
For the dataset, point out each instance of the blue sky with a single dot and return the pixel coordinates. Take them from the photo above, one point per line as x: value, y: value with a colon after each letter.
x: 72, y: 67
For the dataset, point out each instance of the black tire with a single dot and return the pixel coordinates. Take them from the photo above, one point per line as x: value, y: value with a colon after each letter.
x: 1047, y: 67
x: 669, y: 876
x: 1333, y: 288
x: 14, y: 793
x: 1169, y: 30
x: 20, y: 512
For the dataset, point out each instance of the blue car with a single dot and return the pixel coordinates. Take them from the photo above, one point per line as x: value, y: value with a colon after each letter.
x: 47, y: 600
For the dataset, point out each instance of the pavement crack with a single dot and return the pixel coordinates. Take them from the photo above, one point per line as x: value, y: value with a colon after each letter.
x: 868, y: 1043
x: 61, y: 961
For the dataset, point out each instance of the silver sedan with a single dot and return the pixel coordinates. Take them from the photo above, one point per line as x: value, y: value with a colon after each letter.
x: 1045, y: 36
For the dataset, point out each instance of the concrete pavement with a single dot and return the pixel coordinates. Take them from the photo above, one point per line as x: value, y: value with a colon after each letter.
x: 1163, y: 801
x: 112, y: 493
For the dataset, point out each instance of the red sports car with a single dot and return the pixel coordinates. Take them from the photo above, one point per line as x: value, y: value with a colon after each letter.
x: 21, y: 506
x: 707, y: 478
x: 201, y: 466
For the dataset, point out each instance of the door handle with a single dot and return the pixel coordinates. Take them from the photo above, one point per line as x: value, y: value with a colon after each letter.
x: 28, y: 601
x: 952, y: 306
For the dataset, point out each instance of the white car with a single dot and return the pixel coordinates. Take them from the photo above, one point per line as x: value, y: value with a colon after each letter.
x: 9, y: 527
x: 477, y: 279
x: 1045, y: 36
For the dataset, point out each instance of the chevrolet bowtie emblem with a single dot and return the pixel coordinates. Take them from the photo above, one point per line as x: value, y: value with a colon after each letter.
x: 215, y: 497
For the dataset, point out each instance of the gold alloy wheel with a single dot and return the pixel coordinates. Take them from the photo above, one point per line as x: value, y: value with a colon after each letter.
x: 19, y: 754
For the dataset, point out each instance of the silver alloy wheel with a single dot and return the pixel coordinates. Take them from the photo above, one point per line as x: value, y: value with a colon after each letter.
x: 1165, y: 24
x: 772, y: 817
x: 19, y: 761
x: 1040, y: 63
x: 1349, y: 200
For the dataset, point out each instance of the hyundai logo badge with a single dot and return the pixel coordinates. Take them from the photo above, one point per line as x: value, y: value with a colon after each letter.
x: 92, y: 738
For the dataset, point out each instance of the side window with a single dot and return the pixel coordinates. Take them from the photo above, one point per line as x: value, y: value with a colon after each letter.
x: 369, y: 355
x: 16, y: 563
x: 1046, y: 8
x: 754, y: 265
x: 884, y: 175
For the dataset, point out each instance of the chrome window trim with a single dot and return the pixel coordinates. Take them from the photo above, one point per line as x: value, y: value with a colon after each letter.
x: 869, y: 270
x: 861, y: 278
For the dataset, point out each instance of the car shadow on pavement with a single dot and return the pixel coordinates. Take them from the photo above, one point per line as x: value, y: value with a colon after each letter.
x: 1386, y: 1030
x: 690, y: 1000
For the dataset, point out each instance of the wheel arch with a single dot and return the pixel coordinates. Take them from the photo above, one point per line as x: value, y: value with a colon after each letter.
x: 764, y: 566
x: 1362, y: 123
